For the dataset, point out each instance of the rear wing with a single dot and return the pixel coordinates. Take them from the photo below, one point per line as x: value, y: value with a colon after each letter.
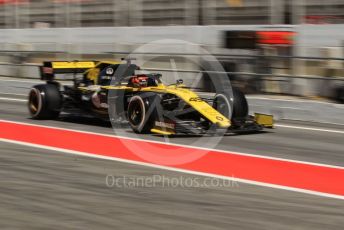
x: 49, y: 69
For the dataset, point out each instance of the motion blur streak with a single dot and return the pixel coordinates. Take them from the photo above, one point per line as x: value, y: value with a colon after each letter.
x: 298, y: 176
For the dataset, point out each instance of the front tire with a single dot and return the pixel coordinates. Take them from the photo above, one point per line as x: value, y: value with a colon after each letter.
x: 44, y: 101
x: 141, y: 113
x: 222, y: 105
x: 239, y: 103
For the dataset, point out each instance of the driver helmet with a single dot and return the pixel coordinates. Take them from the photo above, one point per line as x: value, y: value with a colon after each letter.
x: 139, y: 81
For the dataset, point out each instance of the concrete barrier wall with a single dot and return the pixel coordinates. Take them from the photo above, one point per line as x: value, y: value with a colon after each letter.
x: 77, y: 42
x: 309, y: 36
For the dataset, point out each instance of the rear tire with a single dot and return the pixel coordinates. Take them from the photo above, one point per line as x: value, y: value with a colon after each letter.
x: 44, y: 101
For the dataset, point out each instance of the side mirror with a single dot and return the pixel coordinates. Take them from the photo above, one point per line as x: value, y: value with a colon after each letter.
x: 179, y: 81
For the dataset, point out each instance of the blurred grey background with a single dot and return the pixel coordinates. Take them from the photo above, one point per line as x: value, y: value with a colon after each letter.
x: 311, y: 65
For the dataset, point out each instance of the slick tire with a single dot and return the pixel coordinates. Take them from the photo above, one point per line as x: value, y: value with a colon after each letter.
x: 44, y: 102
x: 239, y: 104
x: 222, y: 105
x: 141, y: 113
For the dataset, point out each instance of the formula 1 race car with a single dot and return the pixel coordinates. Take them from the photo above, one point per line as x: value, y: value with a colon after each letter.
x: 113, y: 90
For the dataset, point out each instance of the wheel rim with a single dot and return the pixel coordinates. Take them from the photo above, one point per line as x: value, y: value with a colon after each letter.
x: 221, y: 105
x: 135, y: 113
x: 34, y: 101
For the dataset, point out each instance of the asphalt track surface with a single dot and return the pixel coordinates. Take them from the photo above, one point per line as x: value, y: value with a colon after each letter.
x: 47, y: 189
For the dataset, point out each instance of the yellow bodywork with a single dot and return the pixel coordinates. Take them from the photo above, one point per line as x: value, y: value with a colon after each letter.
x: 80, y: 64
x: 162, y: 132
x: 93, y: 67
x: 73, y: 65
x: 93, y: 73
x: 186, y: 95
x: 264, y: 120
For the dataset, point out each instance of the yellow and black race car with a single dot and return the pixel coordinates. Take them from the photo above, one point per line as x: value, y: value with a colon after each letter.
x: 113, y: 90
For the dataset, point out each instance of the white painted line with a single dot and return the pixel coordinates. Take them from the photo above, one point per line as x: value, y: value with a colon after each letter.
x: 66, y: 81
x: 178, y: 145
x: 12, y: 99
x: 310, y: 128
x: 85, y: 154
x: 294, y: 100
x: 14, y: 94
x: 289, y: 107
x: 20, y: 80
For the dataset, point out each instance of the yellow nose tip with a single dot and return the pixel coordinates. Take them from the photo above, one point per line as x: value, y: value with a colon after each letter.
x: 223, y: 124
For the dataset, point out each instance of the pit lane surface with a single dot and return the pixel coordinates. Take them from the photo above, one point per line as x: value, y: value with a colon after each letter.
x: 45, y: 188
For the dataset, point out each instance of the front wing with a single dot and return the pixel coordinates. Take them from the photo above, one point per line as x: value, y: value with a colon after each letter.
x: 252, y: 124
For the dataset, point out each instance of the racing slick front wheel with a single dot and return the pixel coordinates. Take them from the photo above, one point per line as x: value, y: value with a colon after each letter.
x: 221, y: 104
x: 141, y: 114
x: 240, y: 105
x: 44, y: 101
